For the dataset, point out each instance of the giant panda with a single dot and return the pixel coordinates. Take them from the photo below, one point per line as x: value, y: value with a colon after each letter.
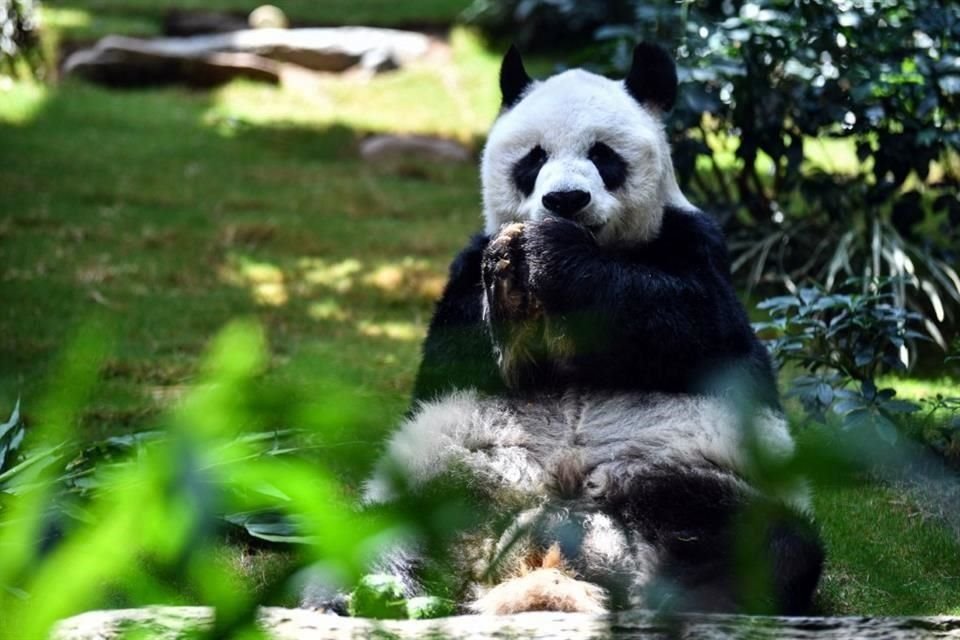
x: 592, y: 373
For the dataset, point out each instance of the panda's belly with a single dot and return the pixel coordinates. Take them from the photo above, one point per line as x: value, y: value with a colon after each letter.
x: 530, y: 445
x: 581, y: 441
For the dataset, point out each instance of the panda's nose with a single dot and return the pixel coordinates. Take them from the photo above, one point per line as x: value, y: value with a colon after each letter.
x: 566, y: 203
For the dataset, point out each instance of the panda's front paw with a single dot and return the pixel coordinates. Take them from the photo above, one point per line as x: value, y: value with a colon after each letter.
x: 553, y: 239
x: 506, y: 276
x: 560, y: 256
x: 514, y: 315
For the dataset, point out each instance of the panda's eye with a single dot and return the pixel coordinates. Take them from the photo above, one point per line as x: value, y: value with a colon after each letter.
x: 526, y: 170
x: 610, y: 164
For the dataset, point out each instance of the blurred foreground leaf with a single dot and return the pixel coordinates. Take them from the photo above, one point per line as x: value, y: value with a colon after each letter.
x: 11, y: 435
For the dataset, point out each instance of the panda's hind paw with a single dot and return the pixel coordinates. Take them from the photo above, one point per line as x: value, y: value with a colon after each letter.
x: 546, y: 589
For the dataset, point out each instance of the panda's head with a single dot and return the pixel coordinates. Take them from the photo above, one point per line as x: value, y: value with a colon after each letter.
x: 583, y: 147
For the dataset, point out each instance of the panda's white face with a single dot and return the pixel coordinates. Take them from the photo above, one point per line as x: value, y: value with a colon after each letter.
x: 578, y: 145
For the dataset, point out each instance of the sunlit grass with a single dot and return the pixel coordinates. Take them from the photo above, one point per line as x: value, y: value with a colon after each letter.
x: 131, y: 204
x: 919, y: 388
x: 20, y: 102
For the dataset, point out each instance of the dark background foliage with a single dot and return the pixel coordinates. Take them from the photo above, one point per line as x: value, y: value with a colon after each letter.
x: 824, y: 134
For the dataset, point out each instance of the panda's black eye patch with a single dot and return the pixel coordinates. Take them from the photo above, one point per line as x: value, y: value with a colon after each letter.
x: 527, y: 169
x: 612, y: 167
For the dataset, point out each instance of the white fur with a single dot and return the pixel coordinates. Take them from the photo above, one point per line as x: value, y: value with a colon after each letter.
x: 514, y: 444
x: 566, y: 114
x: 516, y: 448
x: 457, y: 429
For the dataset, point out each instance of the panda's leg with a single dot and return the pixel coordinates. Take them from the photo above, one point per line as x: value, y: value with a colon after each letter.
x: 796, y: 559
x: 768, y: 562
x: 459, y: 442
x: 421, y: 451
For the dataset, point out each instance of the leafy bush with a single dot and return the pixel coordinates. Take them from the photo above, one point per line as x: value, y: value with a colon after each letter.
x: 843, y: 341
x: 19, y: 38
x: 139, y: 519
x: 939, y: 425
x: 826, y: 133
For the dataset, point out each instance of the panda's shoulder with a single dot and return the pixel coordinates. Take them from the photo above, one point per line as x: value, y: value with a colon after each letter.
x: 466, y: 266
x: 684, y: 223
x: 690, y: 230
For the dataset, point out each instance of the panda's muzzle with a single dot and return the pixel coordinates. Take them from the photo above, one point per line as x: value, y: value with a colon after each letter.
x: 566, y: 204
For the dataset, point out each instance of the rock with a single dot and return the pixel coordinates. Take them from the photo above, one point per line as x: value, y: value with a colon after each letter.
x: 392, y: 149
x: 203, y: 59
x: 302, y: 624
x: 268, y: 16
x: 130, y: 62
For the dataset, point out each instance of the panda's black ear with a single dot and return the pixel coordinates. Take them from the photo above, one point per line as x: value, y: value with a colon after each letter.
x: 513, y: 78
x: 653, y: 77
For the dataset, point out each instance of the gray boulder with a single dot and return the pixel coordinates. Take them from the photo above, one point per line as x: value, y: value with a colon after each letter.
x: 211, y: 58
x: 391, y: 149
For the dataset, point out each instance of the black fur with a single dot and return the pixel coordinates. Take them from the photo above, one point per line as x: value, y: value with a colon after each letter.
x: 653, y: 77
x: 714, y: 534
x: 527, y: 168
x: 610, y: 164
x: 660, y: 316
x: 457, y: 353
x: 513, y: 78
x: 663, y: 316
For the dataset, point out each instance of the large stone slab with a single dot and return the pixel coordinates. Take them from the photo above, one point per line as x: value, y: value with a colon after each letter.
x: 118, y: 61
x: 300, y: 624
x: 121, y: 60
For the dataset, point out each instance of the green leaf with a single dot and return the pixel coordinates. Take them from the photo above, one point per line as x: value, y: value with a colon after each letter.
x: 429, y: 607
x: 857, y: 419
x: 844, y: 407
x: 863, y: 357
x: 11, y: 435
x: 378, y: 596
x: 268, y: 526
x: 31, y: 466
x: 886, y: 393
x: 885, y: 427
x: 899, y: 406
x: 824, y: 393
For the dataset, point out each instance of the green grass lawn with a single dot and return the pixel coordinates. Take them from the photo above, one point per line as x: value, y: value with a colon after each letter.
x: 165, y: 214
x: 174, y: 211
x: 882, y: 557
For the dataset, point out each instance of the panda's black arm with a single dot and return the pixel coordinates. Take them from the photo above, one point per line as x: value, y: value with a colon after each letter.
x: 457, y: 353
x: 663, y: 316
